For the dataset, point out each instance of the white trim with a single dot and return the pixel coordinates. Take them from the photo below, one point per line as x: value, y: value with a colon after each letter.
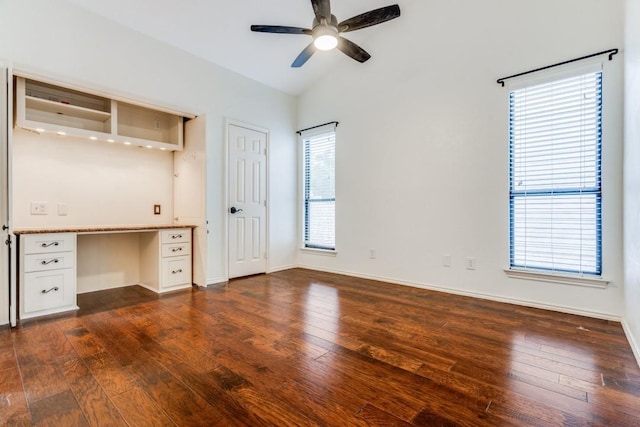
x: 479, y: 295
x: 13, y: 278
x: 635, y: 346
x: 281, y: 268
x: 215, y: 281
x: 565, y: 279
x: 316, y: 251
x: 225, y: 192
x: 233, y: 122
x: 5, y: 215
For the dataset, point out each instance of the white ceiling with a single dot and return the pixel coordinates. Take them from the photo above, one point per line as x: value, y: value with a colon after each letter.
x: 218, y: 31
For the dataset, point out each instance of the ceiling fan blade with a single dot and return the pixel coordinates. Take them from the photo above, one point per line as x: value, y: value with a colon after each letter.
x: 279, y: 29
x: 351, y: 49
x: 322, y: 9
x: 304, y: 56
x: 367, y: 19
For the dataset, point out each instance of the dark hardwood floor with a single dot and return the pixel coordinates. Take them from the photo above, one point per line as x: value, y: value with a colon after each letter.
x: 304, y: 348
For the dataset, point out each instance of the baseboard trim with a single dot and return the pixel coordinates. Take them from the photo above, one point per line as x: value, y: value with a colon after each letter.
x: 480, y: 295
x: 635, y: 347
x: 280, y: 268
x: 216, y: 281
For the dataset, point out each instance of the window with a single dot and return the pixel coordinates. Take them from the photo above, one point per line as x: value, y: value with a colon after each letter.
x: 555, y: 192
x: 319, y: 191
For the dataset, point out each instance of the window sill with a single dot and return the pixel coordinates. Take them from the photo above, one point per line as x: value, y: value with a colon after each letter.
x: 323, y: 252
x: 565, y: 279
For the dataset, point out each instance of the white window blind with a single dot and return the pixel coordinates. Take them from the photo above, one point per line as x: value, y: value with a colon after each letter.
x: 555, y: 175
x: 319, y: 191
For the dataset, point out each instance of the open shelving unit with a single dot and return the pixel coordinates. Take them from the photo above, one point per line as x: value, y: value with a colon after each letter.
x: 44, y: 107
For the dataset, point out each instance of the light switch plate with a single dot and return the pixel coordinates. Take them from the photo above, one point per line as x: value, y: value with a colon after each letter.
x: 38, y: 208
x: 156, y: 209
x: 63, y: 209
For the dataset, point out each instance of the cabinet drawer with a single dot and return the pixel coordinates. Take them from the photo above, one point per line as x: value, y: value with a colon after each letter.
x: 176, y: 249
x: 176, y: 271
x: 50, y: 242
x: 48, y: 261
x: 175, y: 236
x: 48, y: 290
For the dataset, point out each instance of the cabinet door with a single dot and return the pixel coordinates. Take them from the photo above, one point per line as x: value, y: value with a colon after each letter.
x: 176, y: 271
x: 47, y: 292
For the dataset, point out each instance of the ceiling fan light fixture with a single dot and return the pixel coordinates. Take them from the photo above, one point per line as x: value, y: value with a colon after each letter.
x: 326, y: 42
x: 325, y: 38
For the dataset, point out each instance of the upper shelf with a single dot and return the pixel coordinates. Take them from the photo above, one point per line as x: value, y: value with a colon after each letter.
x: 66, y: 109
x: 45, y: 107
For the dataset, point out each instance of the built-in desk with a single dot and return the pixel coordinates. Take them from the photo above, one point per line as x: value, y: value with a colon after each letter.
x: 48, y: 263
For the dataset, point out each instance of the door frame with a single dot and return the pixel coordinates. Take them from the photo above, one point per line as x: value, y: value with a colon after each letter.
x: 225, y: 235
x: 8, y: 312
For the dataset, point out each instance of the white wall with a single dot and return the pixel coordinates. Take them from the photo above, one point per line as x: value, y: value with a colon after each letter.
x: 65, y: 42
x: 632, y: 176
x: 422, y: 145
x: 101, y: 183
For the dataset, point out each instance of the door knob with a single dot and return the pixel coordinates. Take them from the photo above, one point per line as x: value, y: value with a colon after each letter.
x: 234, y: 210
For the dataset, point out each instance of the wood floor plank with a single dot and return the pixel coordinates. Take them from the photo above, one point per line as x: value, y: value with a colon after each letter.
x: 83, y: 342
x: 92, y: 400
x: 7, y: 352
x: 111, y: 376
x: 40, y: 379
x: 58, y: 410
x: 140, y: 411
x: 13, y: 402
x: 378, y: 417
x: 183, y: 406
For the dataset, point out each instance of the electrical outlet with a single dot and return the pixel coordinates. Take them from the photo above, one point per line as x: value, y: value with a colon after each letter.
x: 471, y: 263
x: 372, y: 253
x: 38, y: 208
x: 63, y: 209
x: 446, y: 260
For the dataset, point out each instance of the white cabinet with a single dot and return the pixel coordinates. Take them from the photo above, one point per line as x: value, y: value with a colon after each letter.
x: 44, y: 107
x: 48, y: 274
x: 166, y: 260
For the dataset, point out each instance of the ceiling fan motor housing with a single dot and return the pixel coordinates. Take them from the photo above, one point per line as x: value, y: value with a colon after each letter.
x: 333, y: 23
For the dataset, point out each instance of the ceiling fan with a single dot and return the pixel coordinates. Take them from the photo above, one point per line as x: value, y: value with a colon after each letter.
x: 326, y: 30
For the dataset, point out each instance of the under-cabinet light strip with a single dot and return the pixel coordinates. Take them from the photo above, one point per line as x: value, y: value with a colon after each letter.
x: 94, y: 138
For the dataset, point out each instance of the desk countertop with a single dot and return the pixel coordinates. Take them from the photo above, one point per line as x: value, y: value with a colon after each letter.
x: 100, y: 228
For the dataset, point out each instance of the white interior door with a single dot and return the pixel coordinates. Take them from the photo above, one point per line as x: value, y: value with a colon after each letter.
x: 190, y: 192
x: 247, y: 208
x: 4, y: 199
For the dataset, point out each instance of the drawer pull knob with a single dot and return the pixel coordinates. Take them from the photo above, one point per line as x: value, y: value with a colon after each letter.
x: 46, y: 245
x: 55, y: 261
x: 176, y: 249
x: 55, y: 288
x: 176, y: 271
x: 176, y: 236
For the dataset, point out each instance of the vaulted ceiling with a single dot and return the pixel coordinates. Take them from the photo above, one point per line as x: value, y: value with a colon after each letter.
x: 218, y: 31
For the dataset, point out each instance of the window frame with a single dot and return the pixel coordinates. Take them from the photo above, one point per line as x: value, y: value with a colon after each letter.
x: 569, y: 276
x: 307, y: 201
